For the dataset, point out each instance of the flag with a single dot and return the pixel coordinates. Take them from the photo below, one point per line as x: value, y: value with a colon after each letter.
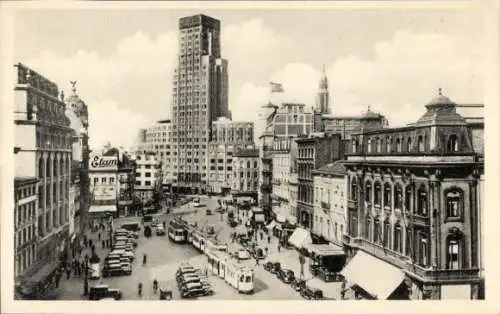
x: 276, y: 88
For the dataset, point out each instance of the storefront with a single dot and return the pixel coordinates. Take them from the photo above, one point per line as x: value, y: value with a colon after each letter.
x: 368, y: 277
x: 300, y: 238
x: 327, y: 260
x: 102, y: 211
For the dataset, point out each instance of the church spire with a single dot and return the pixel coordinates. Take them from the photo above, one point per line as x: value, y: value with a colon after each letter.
x: 323, y: 96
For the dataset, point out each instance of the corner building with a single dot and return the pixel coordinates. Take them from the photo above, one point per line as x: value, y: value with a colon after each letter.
x: 199, y: 97
x: 413, y: 209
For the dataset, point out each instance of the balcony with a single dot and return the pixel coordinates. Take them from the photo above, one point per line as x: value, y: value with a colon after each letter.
x: 352, y: 204
x: 325, y: 206
x: 443, y: 274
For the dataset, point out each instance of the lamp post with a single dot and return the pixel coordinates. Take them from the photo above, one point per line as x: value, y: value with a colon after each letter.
x: 86, y: 279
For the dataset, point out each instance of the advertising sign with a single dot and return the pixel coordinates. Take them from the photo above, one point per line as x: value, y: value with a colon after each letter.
x: 98, y: 162
x: 104, y: 192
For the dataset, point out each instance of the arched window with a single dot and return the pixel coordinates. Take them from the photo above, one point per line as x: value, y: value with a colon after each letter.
x: 408, y: 197
x: 40, y: 167
x: 378, y: 193
x: 409, y: 243
x: 47, y: 168
x: 408, y: 145
x: 368, y: 191
x: 387, y: 195
x: 378, y: 142
x: 369, y: 145
x: 398, y: 196
x: 422, y: 200
x: 368, y: 224
x: 354, y: 145
x: 61, y: 167
x: 398, y: 239
x: 54, y: 168
x: 421, y: 144
x: 388, y: 145
x: 452, y: 145
x: 454, y: 251
x: 399, y: 147
x: 376, y: 231
x: 454, y: 203
x: 354, y: 190
x: 387, y: 233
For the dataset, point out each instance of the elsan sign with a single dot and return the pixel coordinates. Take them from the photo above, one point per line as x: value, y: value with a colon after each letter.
x: 103, y: 163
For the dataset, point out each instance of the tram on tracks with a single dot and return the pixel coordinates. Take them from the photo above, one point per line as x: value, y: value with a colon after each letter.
x: 234, y: 272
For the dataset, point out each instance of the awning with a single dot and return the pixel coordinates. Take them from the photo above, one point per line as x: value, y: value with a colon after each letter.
x: 331, y: 290
x: 280, y: 218
x: 292, y: 220
x: 375, y: 276
x: 102, y: 208
x: 271, y: 225
x: 455, y: 292
x: 325, y: 249
x: 300, y: 238
x: 257, y: 209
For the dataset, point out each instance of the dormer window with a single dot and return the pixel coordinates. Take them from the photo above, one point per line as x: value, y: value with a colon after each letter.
x: 452, y: 145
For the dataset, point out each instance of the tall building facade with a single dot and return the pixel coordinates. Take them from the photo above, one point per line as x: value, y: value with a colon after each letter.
x: 199, y: 97
x: 77, y: 112
x: 245, y: 177
x: 347, y: 125
x: 159, y: 140
x: 43, y: 147
x: 103, y: 176
x: 227, y: 136
x: 414, y: 207
x: 147, y: 176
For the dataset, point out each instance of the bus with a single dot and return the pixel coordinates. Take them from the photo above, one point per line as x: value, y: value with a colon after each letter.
x: 176, y: 232
x: 235, y: 273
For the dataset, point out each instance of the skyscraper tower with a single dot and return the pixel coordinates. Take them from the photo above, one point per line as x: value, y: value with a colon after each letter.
x: 323, y: 96
x: 199, y: 97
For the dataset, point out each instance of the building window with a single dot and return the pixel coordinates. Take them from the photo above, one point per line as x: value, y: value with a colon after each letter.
x: 422, y: 201
x: 408, y: 243
x: 376, y: 231
x: 111, y: 180
x: 103, y: 180
x: 424, y: 249
x: 397, y: 239
x: 378, y: 194
x: 354, y: 190
x: 148, y: 174
x: 387, y: 234
x: 453, y: 203
x: 387, y: 195
x: 408, y: 145
x: 368, y: 191
x: 354, y: 146
x: 369, y: 145
x: 408, y: 196
x: 452, y: 145
x: 453, y: 252
x: 421, y: 144
x: 367, y: 229
x: 398, y: 196
x: 388, y: 145
x: 379, y: 145
x: 399, y: 147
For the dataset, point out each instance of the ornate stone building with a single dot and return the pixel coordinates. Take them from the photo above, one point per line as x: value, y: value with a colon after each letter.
x: 413, y: 209
x: 245, y: 172
x: 43, y: 146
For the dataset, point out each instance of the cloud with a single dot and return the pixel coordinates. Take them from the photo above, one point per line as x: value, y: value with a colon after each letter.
x: 108, y: 122
x: 403, y: 75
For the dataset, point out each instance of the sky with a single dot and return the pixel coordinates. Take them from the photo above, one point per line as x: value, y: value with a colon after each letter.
x: 393, y: 60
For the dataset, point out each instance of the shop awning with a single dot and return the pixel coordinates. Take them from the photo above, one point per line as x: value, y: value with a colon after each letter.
x: 455, y: 292
x: 102, y: 208
x: 300, y: 238
x: 325, y: 249
x: 271, y: 225
x: 375, y: 276
x: 331, y: 290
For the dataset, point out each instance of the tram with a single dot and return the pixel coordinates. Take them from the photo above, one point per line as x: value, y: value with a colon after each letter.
x: 176, y: 232
x: 235, y: 273
x: 198, y: 240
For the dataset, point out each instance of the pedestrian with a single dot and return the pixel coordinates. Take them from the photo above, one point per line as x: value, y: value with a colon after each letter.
x: 103, y: 242
x: 144, y: 259
x: 279, y: 248
x: 266, y: 249
x: 139, y: 289
x: 68, y: 273
x: 268, y: 239
x: 90, y: 242
x: 99, y: 236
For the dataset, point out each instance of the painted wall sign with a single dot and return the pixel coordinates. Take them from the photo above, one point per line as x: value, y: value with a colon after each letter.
x: 103, y: 163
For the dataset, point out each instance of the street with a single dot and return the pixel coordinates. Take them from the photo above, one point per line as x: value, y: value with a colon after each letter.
x: 164, y: 256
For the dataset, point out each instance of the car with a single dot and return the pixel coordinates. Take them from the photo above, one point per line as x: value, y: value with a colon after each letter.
x: 208, y: 212
x: 243, y: 254
x: 188, y: 278
x: 115, y: 293
x: 160, y: 231
x: 186, y: 273
x: 298, y: 284
x: 185, y: 269
x: 268, y: 266
x: 275, y: 268
x: 258, y: 253
x: 196, y: 292
x: 197, y: 204
x: 114, y: 269
x: 126, y: 268
x: 191, y: 285
x: 286, y: 275
x: 311, y: 293
x: 184, y: 285
x: 100, y: 292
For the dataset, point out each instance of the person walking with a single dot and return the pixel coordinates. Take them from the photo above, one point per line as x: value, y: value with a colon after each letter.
x: 155, y: 285
x: 68, y: 272
x: 103, y: 242
x: 139, y: 289
x: 99, y: 236
x: 144, y: 259
x: 268, y: 239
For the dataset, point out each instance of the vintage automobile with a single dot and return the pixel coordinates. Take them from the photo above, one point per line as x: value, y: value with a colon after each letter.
x: 196, y: 290
x: 286, y: 275
x: 298, y: 284
x: 275, y: 268
x: 268, y: 266
x: 160, y: 231
x: 208, y: 212
x: 99, y: 292
x: 165, y: 293
x: 311, y: 293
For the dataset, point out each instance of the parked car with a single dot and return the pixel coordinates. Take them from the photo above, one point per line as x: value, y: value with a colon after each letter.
x: 286, y: 275
x: 311, y: 293
x: 160, y: 231
x: 114, y: 269
x: 298, y: 284
x: 275, y: 268
x: 268, y: 266
x: 99, y: 292
x: 208, y: 212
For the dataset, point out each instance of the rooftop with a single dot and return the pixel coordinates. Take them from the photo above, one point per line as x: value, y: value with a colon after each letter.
x: 336, y: 167
x: 24, y: 180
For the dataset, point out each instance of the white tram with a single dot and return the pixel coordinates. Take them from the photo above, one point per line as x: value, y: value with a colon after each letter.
x: 176, y: 232
x: 236, y: 274
x: 198, y: 240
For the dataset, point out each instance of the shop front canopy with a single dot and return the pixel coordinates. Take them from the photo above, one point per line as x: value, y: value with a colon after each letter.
x: 300, y: 238
x: 102, y: 208
x: 325, y: 250
x: 378, y: 278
